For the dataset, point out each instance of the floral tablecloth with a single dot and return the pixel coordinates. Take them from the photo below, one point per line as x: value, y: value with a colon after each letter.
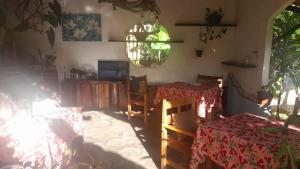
x: 205, y: 96
x: 239, y: 142
x: 42, y: 140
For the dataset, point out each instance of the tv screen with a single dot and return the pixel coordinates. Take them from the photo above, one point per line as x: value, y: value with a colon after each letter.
x: 113, y: 70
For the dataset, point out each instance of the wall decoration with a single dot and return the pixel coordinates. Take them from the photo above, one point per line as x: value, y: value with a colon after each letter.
x: 82, y: 27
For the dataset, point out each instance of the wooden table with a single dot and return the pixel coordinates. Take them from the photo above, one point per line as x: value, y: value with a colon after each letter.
x: 239, y: 142
x: 206, y: 96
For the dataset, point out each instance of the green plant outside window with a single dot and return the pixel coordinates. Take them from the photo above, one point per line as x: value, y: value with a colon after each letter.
x: 148, y: 45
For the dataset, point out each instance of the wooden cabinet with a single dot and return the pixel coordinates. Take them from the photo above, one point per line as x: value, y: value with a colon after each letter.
x: 103, y: 95
x: 88, y: 94
x: 94, y: 94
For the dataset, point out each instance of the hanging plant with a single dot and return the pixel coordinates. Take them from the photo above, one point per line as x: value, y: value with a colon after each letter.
x: 42, y: 16
x: 212, y: 18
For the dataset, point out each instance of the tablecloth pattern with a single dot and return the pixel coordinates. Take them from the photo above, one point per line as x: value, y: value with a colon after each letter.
x: 54, y: 139
x: 239, y: 142
x: 205, y: 96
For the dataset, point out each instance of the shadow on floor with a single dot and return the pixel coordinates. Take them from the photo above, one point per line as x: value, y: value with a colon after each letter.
x: 149, y: 136
x: 98, y: 158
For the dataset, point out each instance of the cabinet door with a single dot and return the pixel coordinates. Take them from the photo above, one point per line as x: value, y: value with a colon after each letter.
x: 103, y: 95
x: 86, y: 94
x: 123, y: 95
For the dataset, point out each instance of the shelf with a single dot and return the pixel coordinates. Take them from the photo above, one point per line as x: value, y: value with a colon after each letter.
x: 172, y: 41
x: 237, y: 64
x: 205, y: 24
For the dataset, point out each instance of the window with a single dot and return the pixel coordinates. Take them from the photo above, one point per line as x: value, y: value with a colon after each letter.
x: 148, y: 45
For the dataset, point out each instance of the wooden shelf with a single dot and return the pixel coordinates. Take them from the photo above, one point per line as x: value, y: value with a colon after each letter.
x: 171, y: 41
x: 237, y: 64
x: 205, y: 24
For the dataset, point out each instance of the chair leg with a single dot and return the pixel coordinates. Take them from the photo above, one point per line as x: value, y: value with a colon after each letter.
x: 164, y: 144
x: 145, y: 115
x: 129, y: 111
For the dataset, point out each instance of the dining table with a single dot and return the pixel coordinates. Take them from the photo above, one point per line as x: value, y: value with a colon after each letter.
x: 244, y: 141
x: 205, y: 96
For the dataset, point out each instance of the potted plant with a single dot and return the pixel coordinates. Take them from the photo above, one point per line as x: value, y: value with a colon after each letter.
x: 199, y: 52
x: 214, y: 17
x: 28, y: 12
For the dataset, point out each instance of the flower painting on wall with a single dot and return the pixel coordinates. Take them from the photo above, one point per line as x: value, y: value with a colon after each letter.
x: 82, y: 27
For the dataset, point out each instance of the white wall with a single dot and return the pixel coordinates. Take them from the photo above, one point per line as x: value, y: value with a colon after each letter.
x: 254, y: 33
x: 182, y: 65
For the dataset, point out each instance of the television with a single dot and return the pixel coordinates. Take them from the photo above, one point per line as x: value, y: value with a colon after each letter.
x: 113, y: 70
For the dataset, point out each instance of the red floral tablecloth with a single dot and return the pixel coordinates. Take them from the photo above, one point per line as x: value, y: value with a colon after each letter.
x: 39, y: 139
x: 205, y: 96
x: 239, y: 142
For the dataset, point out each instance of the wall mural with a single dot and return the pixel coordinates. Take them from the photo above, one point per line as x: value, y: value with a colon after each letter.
x: 82, y: 27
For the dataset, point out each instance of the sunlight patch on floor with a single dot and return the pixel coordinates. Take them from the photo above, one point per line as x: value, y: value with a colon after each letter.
x: 115, y: 134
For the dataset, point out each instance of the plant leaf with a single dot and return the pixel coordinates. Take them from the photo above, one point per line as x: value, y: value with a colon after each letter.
x: 51, y: 19
x: 57, y: 11
x: 2, y: 18
x: 51, y: 36
x: 2, y: 35
x: 22, y: 27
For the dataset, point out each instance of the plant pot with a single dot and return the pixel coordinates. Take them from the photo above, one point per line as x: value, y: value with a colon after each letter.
x: 214, y: 19
x: 199, y: 52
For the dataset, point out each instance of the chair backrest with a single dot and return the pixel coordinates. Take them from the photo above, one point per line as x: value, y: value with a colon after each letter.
x: 177, y: 131
x: 210, y: 80
x: 180, y: 113
x: 137, y: 84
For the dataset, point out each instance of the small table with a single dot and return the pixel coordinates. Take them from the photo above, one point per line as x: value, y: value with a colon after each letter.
x: 206, y: 96
x: 239, y: 142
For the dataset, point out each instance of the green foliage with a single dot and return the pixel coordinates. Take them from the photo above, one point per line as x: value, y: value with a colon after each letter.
x: 2, y: 35
x: 285, y: 63
x: 285, y: 58
x: 2, y: 26
x: 52, y: 15
x: 154, y: 47
x: 51, y: 36
x: 22, y: 27
x: 54, y: 18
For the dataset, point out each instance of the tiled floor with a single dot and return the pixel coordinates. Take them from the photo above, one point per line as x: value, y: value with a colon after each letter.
x: 116, y: 143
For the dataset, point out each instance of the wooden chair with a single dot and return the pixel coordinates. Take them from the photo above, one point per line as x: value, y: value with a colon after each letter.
x: 211, y: 80
x: 176, y: 135
x: 137, y: 97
